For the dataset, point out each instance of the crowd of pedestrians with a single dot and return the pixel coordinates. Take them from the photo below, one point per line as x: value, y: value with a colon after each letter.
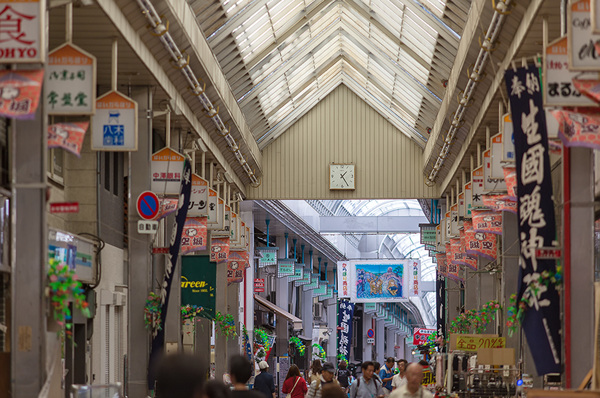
x: 180, y: 376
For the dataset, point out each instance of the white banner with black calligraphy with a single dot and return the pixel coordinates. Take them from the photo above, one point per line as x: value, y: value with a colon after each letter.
x: 541, y: 321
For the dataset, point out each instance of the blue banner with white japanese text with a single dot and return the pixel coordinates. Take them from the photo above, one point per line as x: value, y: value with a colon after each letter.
x: 537, y: 296
x: 345, y: 315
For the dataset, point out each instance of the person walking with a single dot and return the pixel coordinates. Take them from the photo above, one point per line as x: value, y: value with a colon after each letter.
x: 240, y: 370
x: 386, y: 374
x: 343, y: 376
x: 366, y: 386
x: 413, y: 387
x: 400, y: 379
x: 264, y: 382
x: 315, y: 370
x: 294, y: 385
x: 325, y: 378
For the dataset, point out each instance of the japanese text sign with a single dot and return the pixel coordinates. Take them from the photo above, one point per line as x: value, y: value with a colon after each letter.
x: 20, y: 93
x: 194, y: 235
x: 236, y: 264
x: 269, y: 256
x: 68, y: 136
x: 165, y: 172
x: 219, y: 249
x: 345, y: 316
x: 473, y: 342
x: 343, y: 271
x: 285, y: 267
x: 491, y: 184
x: 427, y: 233
x: 115, y: 124
x: 213, y: 210
x: 70, y: 81
x: 421, y: 335
x: 477, y: 187
x: 536, y: 218
x: 198, y: 284
x: 558, y: 82
x: 199, y: 198
x: 259, y: 285
x: 22, y: 25
x: 415, y: 269
x: 468, y: 199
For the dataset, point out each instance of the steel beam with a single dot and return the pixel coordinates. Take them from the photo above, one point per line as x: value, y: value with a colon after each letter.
x: 367, y: 224
x: 514, y: 46
x: 129, y: 34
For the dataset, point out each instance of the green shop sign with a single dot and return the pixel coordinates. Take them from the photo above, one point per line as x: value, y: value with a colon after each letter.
x: 269, y: 256
x: 285, y: 267
x: 198, y: 283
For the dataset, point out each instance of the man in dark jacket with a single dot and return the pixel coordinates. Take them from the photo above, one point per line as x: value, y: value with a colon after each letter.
x: 263, y: 382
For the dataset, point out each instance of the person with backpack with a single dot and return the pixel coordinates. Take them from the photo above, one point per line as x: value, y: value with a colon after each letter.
x: 366, y: 386
x: 294, y: 385
x: 343, y: 376
x: 327, y: 373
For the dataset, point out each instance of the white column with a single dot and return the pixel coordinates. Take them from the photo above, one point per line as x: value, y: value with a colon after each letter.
x: 332, y: 327
x: 379, y: 341
x: 390, y: 338
x: 367, y: 348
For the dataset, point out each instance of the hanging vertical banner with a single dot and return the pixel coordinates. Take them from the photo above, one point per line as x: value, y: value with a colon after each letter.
x: 115, y: 124
x: 477, y: 187
x: 236, y: 263
x: 343, y: 275
x: 20, y: 92
x: 285, y: 267
x: 194, y: 235
x: 582, y: 52
x: 70, y: 81
x: 447, y: 223
x: 158, y: 336
x: 508, y: 140
x: 199, y: 198
x: 510, y: 177
x: 578, y: 129
x: 415, y: 270
x: 440, y: 298
x: 22, y: 31
x: 68, y: 136
x: 469, y: 260
x: 345, y: 316
x: 487, y: 221
x: 537, y: 227
x: 219, y: 249
x: 468, y: 199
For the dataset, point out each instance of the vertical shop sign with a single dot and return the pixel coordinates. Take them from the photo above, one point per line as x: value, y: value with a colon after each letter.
x: 343, y: 279
x: 194, y: 235
x: 198, y: 284
x: 454, y: 220
x: 582, y: 52
x: 491, y: 184
x: 508, y: 139
x: 345, y: 316
x: 70, y: 81
x: 468, y: 199
x: 158, y: 336
x: 477, y: 187
x: 219, y: 249
x: 199, y: 198
x: 497, y: 157
x: 212, y: 207
x: 558, y: 82
x: 236, y: 263
x: 298, y: 273
x: 68, y: 136
x: 537, y: 227
x: 440, y: 293
x: 461, y: 205
x: 115, y: 124
x: 165, y: 171
x: 415, y: 267
x: 22, y: 24
x: 20, y: 93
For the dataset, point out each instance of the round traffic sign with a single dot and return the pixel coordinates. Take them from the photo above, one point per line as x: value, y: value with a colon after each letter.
x: 148, y: 205
x: 370, y: 333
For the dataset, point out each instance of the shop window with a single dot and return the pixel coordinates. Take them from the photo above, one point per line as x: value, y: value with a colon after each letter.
x: 56, y: 162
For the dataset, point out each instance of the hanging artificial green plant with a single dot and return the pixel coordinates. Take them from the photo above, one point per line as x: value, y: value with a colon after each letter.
x: 320, y: 354
x: 475, y: 320
x: 226, y: 324
x: 190, y: 312
x: 516, y: 313
x: 152, y: 312
x: 298, y: 344
x: 64, y: 289
x: 342, y: 357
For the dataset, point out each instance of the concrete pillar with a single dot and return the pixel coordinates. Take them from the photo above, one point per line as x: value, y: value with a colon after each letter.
x: 367, y: 354
x: 472, y: 290
x: 390, y: 339
x: 29, y: 237
x: 307, y: 312
x: 379, y: 340
x: 332, y: 327
x: 582, y: 263
x: 247, y: 288
x: 453, y: 294
x: 233, y: 308
x: 282, y: 300
x: 140, y: 276
x: 400, y: 352
x: 221, y: 347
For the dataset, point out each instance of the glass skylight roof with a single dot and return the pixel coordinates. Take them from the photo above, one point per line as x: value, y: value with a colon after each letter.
x: 282, y: 56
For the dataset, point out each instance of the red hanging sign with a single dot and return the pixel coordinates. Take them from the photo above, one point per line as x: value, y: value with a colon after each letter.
x: 481, y: 244
x: 590, y: 88
x: 219, y: 249
x: 167, y: 206
x: 68, y: 136
x: 442, y: 267
x: 578, y: 129
x: 236, y: 264
x: 193, y: 238
x: 20, y: 93
x: 453, y: 269
x: 468, y: 259
x: 510, y: 177
x: 499, y: 203
x: 487, y: 221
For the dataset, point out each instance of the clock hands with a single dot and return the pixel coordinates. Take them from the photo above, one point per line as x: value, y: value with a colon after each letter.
x: 343, y: 178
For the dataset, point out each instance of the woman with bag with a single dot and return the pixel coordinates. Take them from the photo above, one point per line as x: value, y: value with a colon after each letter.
x: 294, y: 385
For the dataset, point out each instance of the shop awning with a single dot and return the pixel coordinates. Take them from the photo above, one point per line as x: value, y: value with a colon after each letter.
x: 296, y: 322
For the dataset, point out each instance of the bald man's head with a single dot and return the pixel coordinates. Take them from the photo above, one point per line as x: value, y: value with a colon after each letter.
x: 414, y: 377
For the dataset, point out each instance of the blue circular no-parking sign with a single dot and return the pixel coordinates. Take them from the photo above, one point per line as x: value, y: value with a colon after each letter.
x: 148, y: 205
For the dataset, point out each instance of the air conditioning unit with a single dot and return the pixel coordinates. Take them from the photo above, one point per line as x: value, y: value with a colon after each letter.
x: 318, y: 310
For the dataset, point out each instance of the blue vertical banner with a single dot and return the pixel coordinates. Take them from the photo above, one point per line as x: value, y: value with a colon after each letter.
x: 536, y: 295
x: 345, y: 315
x: 158, y: 336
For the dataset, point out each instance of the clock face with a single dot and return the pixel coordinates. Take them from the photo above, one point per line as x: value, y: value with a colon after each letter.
x: 341, y: 176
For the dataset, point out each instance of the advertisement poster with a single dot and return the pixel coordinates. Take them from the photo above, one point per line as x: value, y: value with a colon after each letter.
x: 198, y: 283
x: 219, y: 249
x: 236, y: 264
x: 194, y: 235
x: 68, y: 136
x: 376, y: 280
x: 20, y: 93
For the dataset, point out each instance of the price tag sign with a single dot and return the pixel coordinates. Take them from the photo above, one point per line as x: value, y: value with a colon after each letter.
x: 473, y: 342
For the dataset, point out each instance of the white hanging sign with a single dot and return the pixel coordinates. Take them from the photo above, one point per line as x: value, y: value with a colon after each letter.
x: 477, y: 187
x: 70, y: 81
x: 448, y: 226
x: 497, y: 155
x: 198, y: 197
x: 491, y: 184
x: 468, y: 199
x: 22, y: 36
x: 165, y: 171
x: 558, y: 79
x: 461, y: 205
x: 596, y: 16
x: 582, y: 51
x: 508, y: 139
x: 115, y: 124
x: 213, y: 218
x: 454, y: 220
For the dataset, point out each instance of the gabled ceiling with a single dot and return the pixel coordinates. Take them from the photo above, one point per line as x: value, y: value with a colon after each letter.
x: 282, y: 57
